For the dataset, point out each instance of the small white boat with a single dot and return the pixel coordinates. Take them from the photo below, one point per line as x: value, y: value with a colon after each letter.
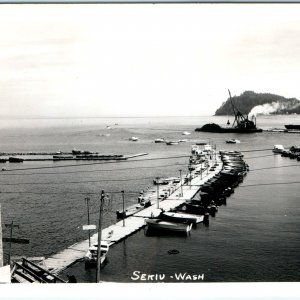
x: 91, y: 256
x: 186, y: 133
x: 172, y: 143
x: 167, y: 180
x: 133, y: 139
x: 158, y: 224
x: 278, y: 149
x: 181, y: 217
x: 232, y: 141
x: 159, y: 141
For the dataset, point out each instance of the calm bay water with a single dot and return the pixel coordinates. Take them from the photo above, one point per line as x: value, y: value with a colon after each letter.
x: 255, y: 237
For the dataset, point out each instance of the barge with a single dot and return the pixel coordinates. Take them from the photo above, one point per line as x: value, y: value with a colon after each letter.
x: 241, y: 124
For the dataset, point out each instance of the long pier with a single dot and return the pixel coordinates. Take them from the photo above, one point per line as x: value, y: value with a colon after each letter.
x: 117, y: 232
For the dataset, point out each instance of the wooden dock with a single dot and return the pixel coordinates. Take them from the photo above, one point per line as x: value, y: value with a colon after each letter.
x: 117, y: 232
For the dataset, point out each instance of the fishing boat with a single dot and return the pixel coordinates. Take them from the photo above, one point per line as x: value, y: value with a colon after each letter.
x: 90, y: 258
x: 186, y: 133
x: 159, y: 224
x: 172, y: 143
x: 15, y: 159
x: 232, y: 141
x: 278, y: 149
x: 166, y: 180
x: 159, y: 140
x: 181, y: 217
x: 292, y: 126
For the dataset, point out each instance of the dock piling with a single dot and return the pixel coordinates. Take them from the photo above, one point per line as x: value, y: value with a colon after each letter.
x: 99, y: 238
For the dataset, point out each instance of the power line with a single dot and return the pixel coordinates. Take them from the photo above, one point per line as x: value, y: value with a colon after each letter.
x: 92, y: 171
x: 254, y: 150
x: 66, y: 192
x: 49, y: 193
x: 73, y: 182
x: 99, y: 163
x: 118, y: 161
x: 267, y: 168
x: 273, y: 183
x: 114, y: 192
x: 259, y: 156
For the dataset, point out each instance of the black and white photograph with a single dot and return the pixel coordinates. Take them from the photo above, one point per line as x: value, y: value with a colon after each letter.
x: 149, y: 143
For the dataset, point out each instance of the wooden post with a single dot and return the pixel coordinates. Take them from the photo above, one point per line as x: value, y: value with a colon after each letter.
x: 216, y: 152
x: 123, y: 201
x: 201, y: 169
x: 181, y: 183
x: 1, y: 246
x: 88, y: 215
x: 99, y: 238
x: 11, y: 225
x: 157, y: 191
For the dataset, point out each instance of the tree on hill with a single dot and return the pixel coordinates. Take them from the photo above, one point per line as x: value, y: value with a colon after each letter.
x: 249, y: 99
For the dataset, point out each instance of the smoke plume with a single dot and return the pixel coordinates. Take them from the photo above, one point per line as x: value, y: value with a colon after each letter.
x: 266, y: 109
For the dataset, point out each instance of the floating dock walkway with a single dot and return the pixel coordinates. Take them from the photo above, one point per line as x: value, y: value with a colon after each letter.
x: 117, y: 232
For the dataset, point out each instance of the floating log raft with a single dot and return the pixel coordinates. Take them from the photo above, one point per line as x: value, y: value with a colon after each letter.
x: 63, y: 157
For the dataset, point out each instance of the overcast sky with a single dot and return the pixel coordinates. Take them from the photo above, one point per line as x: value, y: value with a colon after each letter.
x: 120, y: 60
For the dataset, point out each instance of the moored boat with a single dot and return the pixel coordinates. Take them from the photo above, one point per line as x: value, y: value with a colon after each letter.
x: 232, y: 141
x: 162, y: 140
x: 90, y: 258
x: 181, y: 217
x: 15, y: 159
x: 278, y: 149
x: 292, y: 126
x: 159, y: 224
x: 172, y: 143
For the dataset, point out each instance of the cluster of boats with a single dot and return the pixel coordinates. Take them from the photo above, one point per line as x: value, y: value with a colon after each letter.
x: 214, y: 192
x: 293, y: 152
x: 211, y: 195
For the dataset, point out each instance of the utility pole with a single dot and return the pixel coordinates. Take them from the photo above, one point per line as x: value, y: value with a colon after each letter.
x: 190, y: 170
x: 99, y: 238
x: 1, y: 246
x: 123, y: 201
x: 88, y: 215
x: 11, y: 225
x: 216, y: 152
x: 181, y: 183
x: 201, y: 169
x: 157, y: 183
